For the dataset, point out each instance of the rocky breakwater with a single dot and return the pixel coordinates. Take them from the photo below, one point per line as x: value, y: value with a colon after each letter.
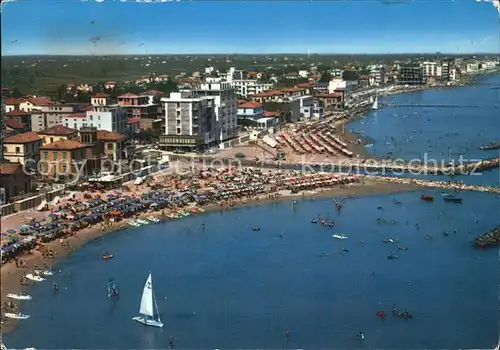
x: 489, y: 239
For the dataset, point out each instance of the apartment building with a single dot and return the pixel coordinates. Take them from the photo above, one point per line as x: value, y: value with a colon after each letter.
x: 190, y: 122
x: 248, y: 87
x: 411, y: 74
x: 226, y: 108
x: 110, y: 118
x: 46, y: 116
x: 23, y: 149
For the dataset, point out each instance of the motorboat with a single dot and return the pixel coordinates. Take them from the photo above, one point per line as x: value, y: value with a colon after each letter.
x: 107, y: 256
x: 34, y: 277
x: 446, y: 194
x: 339, y: 236
x: 393, y: 257
x: 44, y: 272
x: 143, y: 222
x: 153, y: 219
x: 16, y: 315
x: 426, y: 198
x: 453, y: 199
x: 19, y: 296
x: 133, y: 223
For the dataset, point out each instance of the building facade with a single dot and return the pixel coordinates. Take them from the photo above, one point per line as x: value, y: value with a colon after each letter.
x: 110, y: 118
x: 23, y: 149
x: 411, y: 74
x: 226, y: 108
x: 190, y: 122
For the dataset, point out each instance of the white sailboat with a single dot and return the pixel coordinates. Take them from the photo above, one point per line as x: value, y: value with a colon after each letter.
x: 375, y: 104
x: 146, y: 309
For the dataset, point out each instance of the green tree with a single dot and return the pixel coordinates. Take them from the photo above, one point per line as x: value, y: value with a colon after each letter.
x: 325, y: 77
x: 350, y: 75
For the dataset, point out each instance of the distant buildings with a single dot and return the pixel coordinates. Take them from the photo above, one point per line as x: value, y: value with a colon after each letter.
x: 411, y: 74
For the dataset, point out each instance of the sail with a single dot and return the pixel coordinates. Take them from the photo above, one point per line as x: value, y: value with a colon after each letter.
x: 375, y: 104
x: 147, y: 298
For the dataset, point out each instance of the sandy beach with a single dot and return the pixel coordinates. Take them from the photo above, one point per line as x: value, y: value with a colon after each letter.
x: 11, y: 275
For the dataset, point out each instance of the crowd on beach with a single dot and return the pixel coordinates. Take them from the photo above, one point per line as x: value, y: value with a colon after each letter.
x: 168, y: 197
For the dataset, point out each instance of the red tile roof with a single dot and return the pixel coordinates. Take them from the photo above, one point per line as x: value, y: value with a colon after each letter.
x: 17, y: 113
x: 39, y: 101
x: 13, y: 101
x: 250, y: 105
x: 109, y: 136
x: 100, y: 95
x: 135, y: 120
x: 26, y: 137
x: 271, y: 114
x: 14, y: 124
x: 63, y: 144
x: 128, y: 95
x: 9, y: 168
x: 58, y: 130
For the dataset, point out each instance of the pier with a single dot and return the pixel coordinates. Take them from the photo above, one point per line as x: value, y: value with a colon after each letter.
x: 436, y: 184
x: 397, y: 105
x: 388, y: 167
x: 489, y: 239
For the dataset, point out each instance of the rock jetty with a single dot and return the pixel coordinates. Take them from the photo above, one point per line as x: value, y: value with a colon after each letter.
x: 489, y: 239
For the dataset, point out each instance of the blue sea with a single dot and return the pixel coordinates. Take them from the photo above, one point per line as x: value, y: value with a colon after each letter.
x: 438, y: 133
x: 226, y: 286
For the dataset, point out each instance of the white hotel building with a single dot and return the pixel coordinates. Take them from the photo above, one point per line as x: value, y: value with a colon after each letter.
x: 102, y: 116
x: 226, y: 108
x: 190, y: 122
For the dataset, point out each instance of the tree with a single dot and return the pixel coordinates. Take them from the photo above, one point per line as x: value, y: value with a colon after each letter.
x: 16, y: 93
x: 325, y: 77
x: 350, y: 75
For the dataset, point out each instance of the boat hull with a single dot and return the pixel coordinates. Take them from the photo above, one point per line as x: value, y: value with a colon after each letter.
x: 35, y: 278
x: 16, y: 316
x: 19, y: 297
x: 148, y: 321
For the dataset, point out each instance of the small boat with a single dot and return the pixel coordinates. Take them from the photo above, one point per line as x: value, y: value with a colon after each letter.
x: 107, y: 256
x: 153, y: 219
x: 112, y: 291
x: 47, y: 273
x: 339, y: 236
x: 19, y: 296
x: 446, y: 194
x: 147, y: 310
x: 143, y: 222
x: 134, y: 223
x: 393, y: 257
x: 490, y: 146
x: 452, y: 199
x: 35, y: 278
x: 397, y: 201
x: 16, y: 315
x: 426, y: 198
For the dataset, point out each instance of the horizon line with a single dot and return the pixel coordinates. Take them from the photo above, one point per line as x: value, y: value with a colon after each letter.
x: 265, y: 54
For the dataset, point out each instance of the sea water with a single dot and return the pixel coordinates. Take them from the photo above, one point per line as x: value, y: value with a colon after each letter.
x: 227, y: 286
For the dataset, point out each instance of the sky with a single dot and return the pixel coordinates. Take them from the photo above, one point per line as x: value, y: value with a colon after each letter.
x: 66, y: 27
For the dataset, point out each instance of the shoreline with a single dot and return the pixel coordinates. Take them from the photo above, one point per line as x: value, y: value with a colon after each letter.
x: 10, y: 274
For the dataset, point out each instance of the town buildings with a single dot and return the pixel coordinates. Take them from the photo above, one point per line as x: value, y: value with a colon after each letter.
x: 14, y: 181
x: 251, y: 114
x: 411, y: 74
x: 190, y: 122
